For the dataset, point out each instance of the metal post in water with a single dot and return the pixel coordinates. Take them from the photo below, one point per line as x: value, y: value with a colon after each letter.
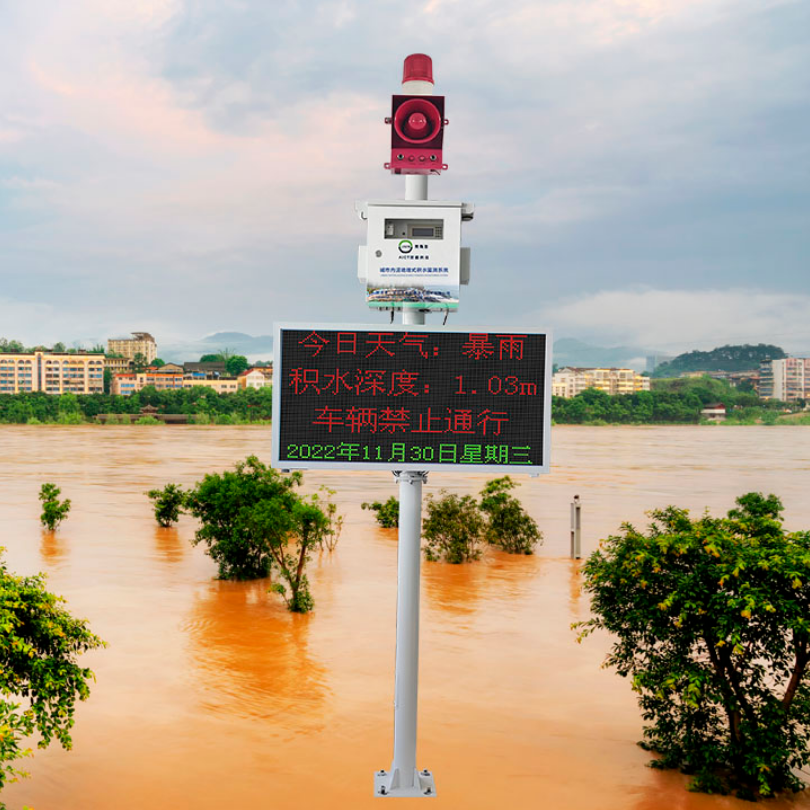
x: 576, y: 529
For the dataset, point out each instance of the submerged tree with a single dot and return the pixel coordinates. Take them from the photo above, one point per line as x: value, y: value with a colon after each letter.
x: 712, y: 620
x: 508, y: 525
x: 40, y: 679
x: 168, y: 502
x: 253, y: 519
x: 387, y: 513
x: 453, y: 528
x: 54, y: 511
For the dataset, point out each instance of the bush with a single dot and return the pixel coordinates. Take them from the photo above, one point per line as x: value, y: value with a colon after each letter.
x: 387, y: 513
x: 712, y: 618
x: 69, y: 418
x: 147, y: 419
x: 508, y: 526
x: 39, y: 645
x: 169, y: 502
x: 453, y: 528
x: 253, y: 521
x: 54, y: 511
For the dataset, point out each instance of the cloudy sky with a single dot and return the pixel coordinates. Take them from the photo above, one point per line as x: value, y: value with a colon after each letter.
x: 640, y: 168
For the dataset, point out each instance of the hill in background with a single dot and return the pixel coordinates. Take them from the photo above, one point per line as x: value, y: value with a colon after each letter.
x: 254, y: 348
x: 725, y: 358
x: 573, y: 352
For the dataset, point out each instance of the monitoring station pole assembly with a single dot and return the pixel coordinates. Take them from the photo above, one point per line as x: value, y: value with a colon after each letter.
x: 412, y: 397
x: 404, y: 778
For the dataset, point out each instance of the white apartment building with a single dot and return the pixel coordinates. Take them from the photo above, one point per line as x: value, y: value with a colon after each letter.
x: 52, y: 372
x: 787, y: 379
x: 568, y: 382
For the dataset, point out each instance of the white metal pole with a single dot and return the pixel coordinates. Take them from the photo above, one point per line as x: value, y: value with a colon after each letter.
x: 403, y: 767
x: 416, y: 188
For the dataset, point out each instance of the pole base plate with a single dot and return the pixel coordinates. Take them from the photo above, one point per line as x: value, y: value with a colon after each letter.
x: 387, y: 785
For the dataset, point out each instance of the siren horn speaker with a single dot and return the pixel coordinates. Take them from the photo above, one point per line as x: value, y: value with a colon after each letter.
x: 417, y: 133
x: 417, y: 120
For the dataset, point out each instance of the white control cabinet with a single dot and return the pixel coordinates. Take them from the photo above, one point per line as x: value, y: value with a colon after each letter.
x: 414, y: 258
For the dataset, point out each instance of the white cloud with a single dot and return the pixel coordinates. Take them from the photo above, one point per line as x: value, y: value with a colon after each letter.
x: 683, y: 320
x: 205, y: 152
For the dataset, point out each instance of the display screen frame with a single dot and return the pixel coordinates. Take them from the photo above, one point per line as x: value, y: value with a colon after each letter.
x: 383, y: 466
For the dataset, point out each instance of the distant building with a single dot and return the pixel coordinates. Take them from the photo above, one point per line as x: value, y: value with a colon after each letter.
x: 140, y: 343
x: 655, y: 360
x: 174, y: 368
x: 787, y: 379
x: 118, y: 365
x: 204, y: 371
x: 126, y: 384
x: 714, y: 412
x: 222, y: 385
x: 52, y: 372
x: 255, y: 378
x: 570, y: 381
x: 133, y: 382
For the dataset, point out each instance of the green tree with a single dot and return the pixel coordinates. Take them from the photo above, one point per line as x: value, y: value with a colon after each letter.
x: 108, y: 375
x: 139, y: 362
x: 168, y: 503
x: 158, y: 363
x: 58, y: 347
x: 236, y: 364
x: 508, y: 525
x: 306, y: 524
x: 453, y: 528
x: 54, y: 511
x: 252, y: 519
x: 387, y: 513
x: 39, y: 645
x: 211, y: 358
x: 712, y: 624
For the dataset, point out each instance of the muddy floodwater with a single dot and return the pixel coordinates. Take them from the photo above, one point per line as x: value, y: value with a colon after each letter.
x: 211, y: 695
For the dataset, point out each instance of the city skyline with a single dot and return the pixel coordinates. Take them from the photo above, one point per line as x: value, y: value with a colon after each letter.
x: 639, y: 168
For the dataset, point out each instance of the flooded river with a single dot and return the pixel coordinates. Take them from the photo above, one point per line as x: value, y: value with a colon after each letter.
x: 211, y: 695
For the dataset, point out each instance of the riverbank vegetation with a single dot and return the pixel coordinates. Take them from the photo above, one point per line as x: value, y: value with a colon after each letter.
x: 202, y: 405
x: 671, y: 401
x: 712, y: 621
x: 40, y: 678
x: 675, y: 401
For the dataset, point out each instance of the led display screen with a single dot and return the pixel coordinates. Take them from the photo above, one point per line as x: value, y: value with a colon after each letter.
x: 411, y: 397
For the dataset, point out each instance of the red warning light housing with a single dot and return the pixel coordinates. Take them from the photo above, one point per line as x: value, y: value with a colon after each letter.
x: 418, y: 67
x: 417, y: 133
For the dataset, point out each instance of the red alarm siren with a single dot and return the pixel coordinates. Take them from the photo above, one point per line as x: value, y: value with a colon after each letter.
x: 417, y: 134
